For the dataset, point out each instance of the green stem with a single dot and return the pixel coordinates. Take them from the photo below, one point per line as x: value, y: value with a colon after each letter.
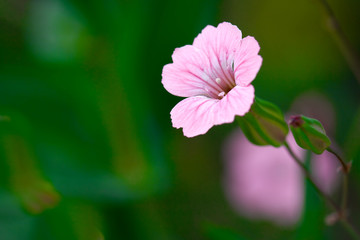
x: 342, y: 217
x: 345, y: 46
x: 350, y: 228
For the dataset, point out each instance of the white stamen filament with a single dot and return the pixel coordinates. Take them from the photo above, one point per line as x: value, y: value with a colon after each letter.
x: 210, y: 82
x: 219, y: 81
x: 211, y: 92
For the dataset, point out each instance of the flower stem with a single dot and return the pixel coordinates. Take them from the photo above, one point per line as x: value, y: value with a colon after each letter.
x: 343, y: 163
x: 345, y: 46
x: 342, y: 217
x: 329, y: 201
x: 346, y: 170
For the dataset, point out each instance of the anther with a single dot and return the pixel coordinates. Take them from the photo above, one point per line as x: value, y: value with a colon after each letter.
x: 218, y: 80
x: 222, y: 94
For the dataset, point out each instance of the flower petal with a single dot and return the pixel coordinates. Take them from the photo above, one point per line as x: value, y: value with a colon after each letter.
x: 237, y: 102
x: 220, y: 45
x: 196, y: 115
x: 186, y: 77
x: 225, y: 37
x: 247, y: 62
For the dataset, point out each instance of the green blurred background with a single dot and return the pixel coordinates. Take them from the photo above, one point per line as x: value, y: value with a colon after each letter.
x: 87, y: 148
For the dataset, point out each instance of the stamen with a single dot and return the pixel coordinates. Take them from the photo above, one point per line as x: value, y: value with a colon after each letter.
x: 222, y: 94
x: 218, y: 80
x: 212, y: 94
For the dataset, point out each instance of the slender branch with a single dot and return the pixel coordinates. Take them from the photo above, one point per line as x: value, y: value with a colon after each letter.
x: 329, y: 201
x: 345, y: 45
x: 342, y: 216
x: 350, y: 228
x: 346, y: 170
x: 343, y: 163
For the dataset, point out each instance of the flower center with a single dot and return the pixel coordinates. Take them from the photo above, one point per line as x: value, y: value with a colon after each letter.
x: 219, y: 79
x: 219, y: 88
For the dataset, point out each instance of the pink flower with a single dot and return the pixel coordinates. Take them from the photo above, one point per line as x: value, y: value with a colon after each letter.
x: 324, y: 168
x: 266, y: 183
x: 263, y: 182
x: 215, y: 74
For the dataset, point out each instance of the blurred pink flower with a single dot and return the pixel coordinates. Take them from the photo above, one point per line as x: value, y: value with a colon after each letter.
x: 324, y: 169
x: 315, y: 105
x: 265, y: 182
x: 215, y: 74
